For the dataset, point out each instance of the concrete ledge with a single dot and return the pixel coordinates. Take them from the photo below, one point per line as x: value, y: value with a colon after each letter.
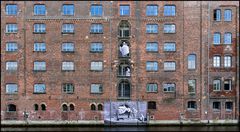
x: 101, y: 122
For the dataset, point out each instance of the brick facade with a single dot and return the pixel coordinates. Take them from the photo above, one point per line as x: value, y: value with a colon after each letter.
x: 194, y: 35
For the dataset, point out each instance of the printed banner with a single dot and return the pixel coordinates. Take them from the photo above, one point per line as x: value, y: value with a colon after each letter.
x: 125, y: 113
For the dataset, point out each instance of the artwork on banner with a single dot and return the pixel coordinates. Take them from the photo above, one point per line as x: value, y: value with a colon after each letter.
x: 125, y: 113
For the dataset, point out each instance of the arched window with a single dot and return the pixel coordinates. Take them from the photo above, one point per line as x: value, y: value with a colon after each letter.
x: 124, y: 29
x: 124, y: 89
x: 36, y: 107
x: 43, y: 106
x: 93, y: 107
x: 11, y: 108
x: 64, y: 107
x: 71, y: 107
x: 124, y: 69
x: 100, y: 107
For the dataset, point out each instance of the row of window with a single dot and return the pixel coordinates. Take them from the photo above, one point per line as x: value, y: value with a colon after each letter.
x: 94, y: 47
x: 217, y: 38
x: 95, y: 10
x: 95, y: 28
x: 227, y: 61
x: 227, y: 15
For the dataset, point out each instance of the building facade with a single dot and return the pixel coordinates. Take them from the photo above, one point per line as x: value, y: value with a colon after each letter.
x: 63, y: 60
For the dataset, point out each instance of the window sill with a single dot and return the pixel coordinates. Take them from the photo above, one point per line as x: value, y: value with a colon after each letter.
x: 169, y: 15
x: 96, y: 70
x: 68, y: 93
x: 192, y: 69
x: 39, y: 15
x: 152, y: 92
x: 124, y: 37
x: 96, y: 51
x: 68, y: 51
x: 123, y: 76
x: 39, y: 51
x: 39, y: 32
x: 216, y: 90
x: 11, y: 32
x: 68, y: 70
x: 152, y: 33
x: 191, y: 109
x: 169, y: 51
x: 11, y: 52
x: 170, y: 33
x: 11, y: 94
x: 124, y: 98
x: 67, y: 14
x: 97, y: 93
x: 38, y: 93
x: 151, y: 71
x: 64, y: 33
x: 169, y: 92
x: 216, y: 111
x: 39, y: 70
x: 152, y: 51
x: 124, y: 15
x: 169, y: 70
x: 96, y: 33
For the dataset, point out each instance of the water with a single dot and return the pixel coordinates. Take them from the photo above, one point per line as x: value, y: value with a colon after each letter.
x: 130, y: 128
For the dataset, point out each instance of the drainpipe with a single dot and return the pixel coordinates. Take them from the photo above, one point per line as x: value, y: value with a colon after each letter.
x: 209, y: 38
x: 110, y: 69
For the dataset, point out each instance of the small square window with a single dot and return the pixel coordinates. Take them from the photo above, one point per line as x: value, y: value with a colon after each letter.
x: 169, y: 28
x: 151, y: 10
x: 68, y: 88
x: 96, y: 28
x: 96, y: 10
x: 39, y: 28
x: 152, y: 47
x: 152, y: 28
x: 152, y: 87
x: 169, y: 87
x: 68, y: 28
x: 96, y: 47
x: 169, y: 46
x: 11, y: 66
x: 97, y: 66
x: 39, y: 88
x: 11, y: 28
x: 68, y: 66
x: 68, y: 47
x: 68, y: 9
x: 39, y: 66
x: 39, y: 47
x: 11, y: 9
x: 96, y: 88
x: 169, y: 66
x: 229, y: 106
x: 151, y: 66
x: 11, y: 88
x: 216, y: 106
x: 11, y: 47
x: 192, y: 105
x: 124, y: 10
x: 228, y: 84
x: 39, y: 9
x: 169, y: 10
x: 152, y: 105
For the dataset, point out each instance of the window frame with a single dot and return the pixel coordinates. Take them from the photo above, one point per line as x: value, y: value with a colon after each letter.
x: 94, y: 69
x: 66, y: 44
x: 68, y: 88
x: 121, y: 10
x: 192, y: 64
x: 39, y: 47
x: 99, y: 86
x: 169, y: 70
x: 68, y: 64
x: 96, y: 28
x: 13, y: 65
x: 11, y: 28
x: 152, y: 11
x: 218, y: 14
x: 10, y: 48
x: 152, y: 69
x: 8, y: 91
x: 169, y: 14
x: 7, y: 10
x: 227, y: 61
x: 227, y: 36
x: 68, y: 28
x: 229, y: 83
x: 44, y: 90
x: 214, y: 107
x: 152, y: 47
x: 169, y: 88
x: 169, y: 31
x: 189, y: 103
x: 192, y: 83
x: 226, y: 19
x: 153, y: 105
x: 41, y: 69
x: 72, y: 13
x: 40, y: 29
x: 96, y: 44
x: 94, y: 14
x: 216, y: 84
x: 169, y: 43
x: 39, y: 14
x: 150, y: 28
x: 216, y: 61
x: 153, y: 88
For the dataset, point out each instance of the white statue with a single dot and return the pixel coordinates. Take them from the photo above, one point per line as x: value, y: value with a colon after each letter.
x: 128, y: 71
x: 124, y: 49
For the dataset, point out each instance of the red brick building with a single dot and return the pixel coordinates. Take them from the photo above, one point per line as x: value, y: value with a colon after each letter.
x: 63, y: 60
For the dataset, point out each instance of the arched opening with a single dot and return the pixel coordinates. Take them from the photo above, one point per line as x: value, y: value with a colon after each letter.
x: 124, y: 69
x: 100, y: 107
x: 43, y: 106
x: 93, y: 107
x: 124, y: 49
x: 36, y: 107
x: 71, y: 107
x: 64, y: 107
x: 124, y: 29
x: 11, y: 108
x: 124, y: 89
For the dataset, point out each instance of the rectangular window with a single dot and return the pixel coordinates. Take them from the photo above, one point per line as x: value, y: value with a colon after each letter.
x: 67, y: 47
x: 68, y: 88
x: 11, y: 88
x: 67, y: 66
x: 216, y: 38
x: 39, y: 47
x: 229, y: 106
x: 217, y: 15
x: 191, y: 86
x: 152, y: 105
x: 169, y: 10
x: 96, y: 88
x: 216, y: 85
x: 96, y: 10
x: 227, y: 61
x: 97, y: 66
x: 11, y: 28
x: 227, y: 15
x: 169, y: 46
x: 96, y: 47
x: 124, y: 10
x: 68, y: 9
x: 11, y: 9
x: 151, y: 10
x: 68, y: 28
x: 11, y: 47
x: 152, y: 47
x: 216, y: 106
x: 169, y: 66
x: 192, y: 105
x: 11, y: 66
x: 39, y: 9
x: 39, y: 66
x: 228, y: 85
x: 39, y: 28
x: 151, y: 28
x: 152, y: 66
x: 169, y: 87
x: 169, y: 28
x: 227, y: 38
x: 96, y: 28
x: 152, y: 87
x: 192, y: 62
x: 216, y: 61
x: 39, y: 88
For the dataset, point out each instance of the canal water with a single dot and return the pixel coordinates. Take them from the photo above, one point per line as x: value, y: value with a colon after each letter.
x: 131, y: 128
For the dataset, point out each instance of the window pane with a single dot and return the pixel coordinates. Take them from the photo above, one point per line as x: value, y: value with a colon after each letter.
x: 191, y: 86
x: 39, y: 47
x: 11, y: 88
x: 39, y: 66
x: 39, y: 9
x: 216, y: 85
x: 216, y: 61
x: 68, y: 28
x: 227, y: 61
x: 68, y: 47
x: 228, y: 84
x: 216, y: 105
x: 152, y: 46
x: 11, y: 46
x: 68, y: 9
x: 39, y: 28
x: 169, y: 66
x: 97, y: 66
x: 39, y: 88
x: 217, y: 15
x: 11, y: 9
x: 227, y: 38
x: 96, y: 47
x: 11, y: 66
x: 124, y: 10
x: 192, y: 105
x: 151, y: 66
x: 169, y: 47
x: 169, y: 11
x: 96, y: 88
x: 96, y: 28
x: 152, y: 10
x: 151, y: 28
x: 227, y: 15
x: 191, y: 61
x: 11, y: 28
x: 68, y: 66
x: 152, y: 87
x: 169, y: 87
x: 68, y: 88
x: 216, y: 38
x: 96, y: 10
x: 169, y: 28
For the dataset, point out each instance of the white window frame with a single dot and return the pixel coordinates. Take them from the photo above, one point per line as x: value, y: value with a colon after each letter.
x: 96, y: 88
x: 152, y: 47
x: 217, y: 85
x: 11, y: 28
x: 170, y: 66
x: 67, y: 66
x: 68, y: 28
x: 11, y: 46
x: 152, y: 66
x: 11, y: 88
x: 227, y: 61
x: 169, y: 28
x: 42, y: 89
x: 152, y: 28
x: 39, y: 28
x: 39, y: 47
x: 11, y: 65
x: 152, y: 88
x: 166, y: 49
x: 96, y: 66
x: 68, y: 47
x: 216, y: 61
x: 169, y: 87
x: 39, y: 66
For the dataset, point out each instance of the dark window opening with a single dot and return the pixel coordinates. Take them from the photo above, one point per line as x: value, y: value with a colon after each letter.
x: 100, y: 107
x: 227, y: 85
x: 124, y: 89
x: 124, y: 29
x: 216, y: 105
x: 43, y: 107
x: 152, y: 105
x: 64, y: 107
x: 93, y: 107
x: 36, y: 107
x: 11, y: 108
x: 71, y: 107
x: 192, y: 105
x: 229, y: 106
